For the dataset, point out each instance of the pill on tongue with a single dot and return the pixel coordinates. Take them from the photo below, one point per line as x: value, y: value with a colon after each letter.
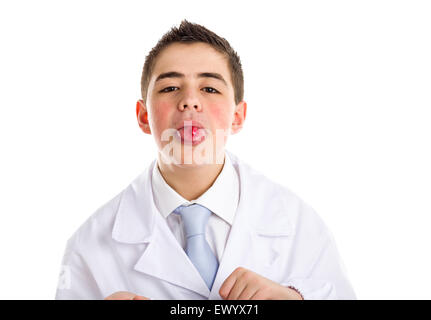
x: 194, y: 130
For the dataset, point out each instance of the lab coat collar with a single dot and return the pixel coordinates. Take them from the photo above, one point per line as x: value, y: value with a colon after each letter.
x: 258, y: 191
x: 135, y: 219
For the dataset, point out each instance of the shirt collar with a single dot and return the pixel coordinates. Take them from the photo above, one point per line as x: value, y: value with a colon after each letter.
x: 221, y: 198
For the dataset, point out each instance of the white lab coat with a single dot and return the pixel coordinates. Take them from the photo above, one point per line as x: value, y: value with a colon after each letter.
x: 126, y: 245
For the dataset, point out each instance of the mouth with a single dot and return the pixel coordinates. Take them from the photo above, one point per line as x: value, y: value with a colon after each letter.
x: 191, y: 132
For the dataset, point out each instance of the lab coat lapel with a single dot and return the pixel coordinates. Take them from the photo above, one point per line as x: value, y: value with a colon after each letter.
x: 138, y: 221
x: 165, y: 259
x: 260, y: 212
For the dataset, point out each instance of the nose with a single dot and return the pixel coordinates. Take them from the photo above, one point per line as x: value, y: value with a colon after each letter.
x: 190, y: 101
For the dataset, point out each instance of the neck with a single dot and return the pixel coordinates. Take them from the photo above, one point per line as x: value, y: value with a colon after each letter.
x: 189, y: 182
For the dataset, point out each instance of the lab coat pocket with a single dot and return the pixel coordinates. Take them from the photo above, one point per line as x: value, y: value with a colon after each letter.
x: 270, y: 250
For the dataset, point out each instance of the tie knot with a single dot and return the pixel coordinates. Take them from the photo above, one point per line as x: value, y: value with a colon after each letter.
x: 194, y: 217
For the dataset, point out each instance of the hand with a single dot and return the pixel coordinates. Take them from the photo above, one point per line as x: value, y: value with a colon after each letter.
x: 124, y: 295
x: 243, y: 284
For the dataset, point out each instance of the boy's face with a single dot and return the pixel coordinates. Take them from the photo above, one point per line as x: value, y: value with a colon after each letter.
x: 190, y: 108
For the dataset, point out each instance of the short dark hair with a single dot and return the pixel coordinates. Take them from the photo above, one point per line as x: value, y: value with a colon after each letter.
x: 189, y: 32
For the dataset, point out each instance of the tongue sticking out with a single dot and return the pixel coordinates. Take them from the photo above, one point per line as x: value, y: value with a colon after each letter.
x: 192, y: 134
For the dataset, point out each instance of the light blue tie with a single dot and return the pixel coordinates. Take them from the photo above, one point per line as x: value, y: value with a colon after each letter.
x: 195, y: 218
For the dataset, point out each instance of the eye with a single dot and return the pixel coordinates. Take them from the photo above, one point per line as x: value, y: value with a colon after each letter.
x: 210, y: 90
x: 168, y: 89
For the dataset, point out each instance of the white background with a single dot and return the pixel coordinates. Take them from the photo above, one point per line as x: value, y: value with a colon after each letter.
x: 339, y: 102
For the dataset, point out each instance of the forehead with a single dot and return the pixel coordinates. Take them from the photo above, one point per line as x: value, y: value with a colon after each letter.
x: 191, y: 59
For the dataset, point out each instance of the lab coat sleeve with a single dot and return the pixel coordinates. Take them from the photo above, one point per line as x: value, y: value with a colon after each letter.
x: 76, y: 281
x: 318, y: 272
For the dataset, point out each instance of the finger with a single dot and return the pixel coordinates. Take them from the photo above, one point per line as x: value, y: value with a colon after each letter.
x: 141, y: 298
x: 237, y: 288
x: 248, y: 292
x: 229, y: 282
x: 259, y: 295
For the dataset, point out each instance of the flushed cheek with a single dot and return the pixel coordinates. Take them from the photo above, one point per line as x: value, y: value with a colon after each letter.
x: 160, y: 118
x: 160, y: 121
x: 220, y: 118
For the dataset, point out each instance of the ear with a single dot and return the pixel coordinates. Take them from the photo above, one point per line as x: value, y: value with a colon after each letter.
x: 142, y: 115
x: 239, y: 117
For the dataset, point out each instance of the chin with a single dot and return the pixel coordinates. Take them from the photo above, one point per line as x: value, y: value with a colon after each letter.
x: 188, y: 156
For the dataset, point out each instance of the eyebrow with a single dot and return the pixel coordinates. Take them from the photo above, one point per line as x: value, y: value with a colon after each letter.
x: 174, y: 74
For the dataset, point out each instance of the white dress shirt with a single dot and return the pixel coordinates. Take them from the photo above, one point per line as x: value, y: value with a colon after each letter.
x: 221, y: 198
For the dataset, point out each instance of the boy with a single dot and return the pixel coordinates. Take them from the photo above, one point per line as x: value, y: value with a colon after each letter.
x: 198, y: 223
